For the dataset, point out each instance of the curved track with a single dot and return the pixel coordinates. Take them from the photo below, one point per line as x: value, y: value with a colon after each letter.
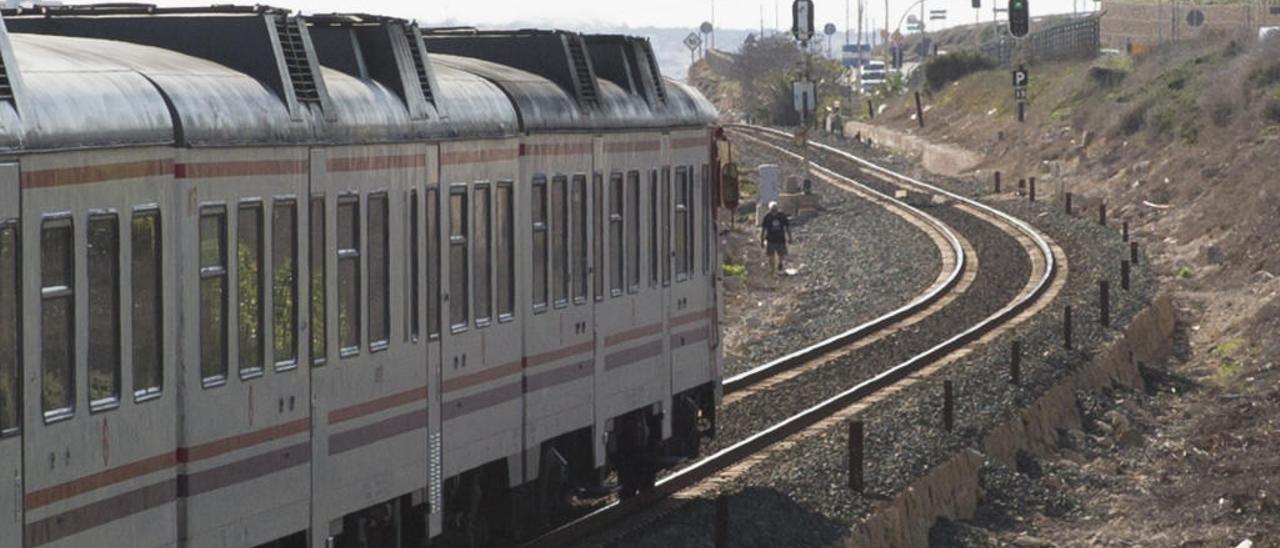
x: 1044, y: 268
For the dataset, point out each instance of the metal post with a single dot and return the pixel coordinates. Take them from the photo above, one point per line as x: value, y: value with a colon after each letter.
x: 1125, y: 230
x: 1031, y: 188
x: 871, y: 110
x: 1066, y: 328
x: 1022, y: 187
x: 1104, y: 303
x: 856, y: 438
x: 1102, y: 213
x: 1068, y: 204
x: 1124, y: 275
x: 1015, y: 363
x: 997, y: 182
x: 1022, y: 111
x: 1133, y: 253
x: 948, y: 405
x: 722, y: 521
x: 919, y: 110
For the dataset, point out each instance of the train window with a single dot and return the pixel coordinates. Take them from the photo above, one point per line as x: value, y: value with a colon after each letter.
x: 682, y: 223
x: 633, y: 231
x: 414, y: 227
x: 458, y: 291
x: 538, y: 208
x: 213, y: 299
x: 597, y: 221
x: 579, y: 252
x: 249, y: 290
x: 57, y: 318
x: 708, y: 220
x: 433, y: 262
x: 666, y: 226
x: 103, y: 268
x: 653, y: 228
x: 506, y: 237
x: 148, y: 304
x: 348, y: 276
x: 284, y: 283
x: 319, y: 287
x: 617, y: 260
x: 379, y: 272
x: 10, y: 356
x: 560, y: 241
x: 691, y: 224
x: 482, y: 269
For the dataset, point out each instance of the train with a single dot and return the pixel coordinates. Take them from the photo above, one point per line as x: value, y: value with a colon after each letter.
x: 340, y: 280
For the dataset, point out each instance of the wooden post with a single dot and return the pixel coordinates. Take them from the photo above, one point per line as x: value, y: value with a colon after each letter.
x: 856, y: 438
x: 919, y: 110
x: 948, y: 405
x: 1015, y: 363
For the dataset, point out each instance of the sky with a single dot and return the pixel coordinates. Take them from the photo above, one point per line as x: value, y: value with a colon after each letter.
x: 572, y: 14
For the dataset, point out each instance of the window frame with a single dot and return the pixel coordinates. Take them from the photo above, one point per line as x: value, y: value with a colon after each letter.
x: 16, y: 375
x: 482, y: 318
x: 431, y: 216
x: 152, y: 392
x: 540, y: 187
x: 47, y: 293
x: 631, y: 219
x: 505, y: 253
x: 617, y: 234
x: 561, y: 266
x: 248, y: 373
x: 598, y: 258
x: 350, y: 254
x: 655, y: 252
x: 708, y: 220
x: 220, y: 210
x: 579, y: 252
x: 666, y: 226
x: 287, y: 202
x: 377, y: 344
x: 321, y: 259
x: 680, y: 212
x: 455, y: 327
x: 413, y: 270
x: 112, y: 401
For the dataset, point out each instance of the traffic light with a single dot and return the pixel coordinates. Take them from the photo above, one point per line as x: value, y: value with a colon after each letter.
x: 1019, y: 18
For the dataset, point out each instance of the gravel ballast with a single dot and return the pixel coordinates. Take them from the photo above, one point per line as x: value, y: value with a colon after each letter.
x: 805, y: 487
x: 857, y: 261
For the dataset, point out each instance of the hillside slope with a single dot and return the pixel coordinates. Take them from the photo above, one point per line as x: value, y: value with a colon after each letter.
x: 1184, y: 144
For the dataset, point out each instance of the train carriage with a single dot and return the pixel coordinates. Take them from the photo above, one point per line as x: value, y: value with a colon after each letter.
x: 338, y: 280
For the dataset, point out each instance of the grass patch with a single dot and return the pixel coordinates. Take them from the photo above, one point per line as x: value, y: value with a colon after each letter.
x: 1185, y: 273
x: 1227, y: 371
x: 1229, y: 348
x: 734, y: 270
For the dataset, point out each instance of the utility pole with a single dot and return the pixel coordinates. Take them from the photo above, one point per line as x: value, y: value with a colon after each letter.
x: 861, y: 60
x: 713, y: 24
x: 886, y: 41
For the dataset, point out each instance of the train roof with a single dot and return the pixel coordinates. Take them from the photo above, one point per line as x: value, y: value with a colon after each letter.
x: 123, y: 75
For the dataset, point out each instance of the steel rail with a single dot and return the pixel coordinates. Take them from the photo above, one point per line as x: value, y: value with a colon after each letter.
x: 601, y: 518
x: 799, y: 357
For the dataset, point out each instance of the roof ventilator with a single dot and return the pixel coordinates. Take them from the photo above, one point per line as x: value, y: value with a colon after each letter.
x: 660, y: 87
x: 6, y: 89
x: 295, y: 59
x: 419, y: 64
x: 588, y: 94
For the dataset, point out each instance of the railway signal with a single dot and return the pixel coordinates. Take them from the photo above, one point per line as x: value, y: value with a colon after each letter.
x: 1019, y: 18
x: 1020, y: 80
x: 802, y: 20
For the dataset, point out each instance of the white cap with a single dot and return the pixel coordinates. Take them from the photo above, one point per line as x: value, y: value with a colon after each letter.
x: 773, y: 206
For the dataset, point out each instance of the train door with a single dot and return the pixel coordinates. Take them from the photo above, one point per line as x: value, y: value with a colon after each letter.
x: 370, y: 369
x: 481, y: 342
x: 631, y: 374
x: 690, y: 312
x: 10, y: 361
x: 100, y: 410
x: 559, y: 325
x: 246, y: 447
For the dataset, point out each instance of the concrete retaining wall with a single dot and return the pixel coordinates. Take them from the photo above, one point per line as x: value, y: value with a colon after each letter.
x: 951, y: 489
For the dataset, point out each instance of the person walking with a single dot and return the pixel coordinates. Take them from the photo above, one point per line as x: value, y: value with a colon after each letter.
x: 775, y: 232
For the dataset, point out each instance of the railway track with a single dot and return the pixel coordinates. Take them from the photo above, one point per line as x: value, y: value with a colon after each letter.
x: 734, y: 456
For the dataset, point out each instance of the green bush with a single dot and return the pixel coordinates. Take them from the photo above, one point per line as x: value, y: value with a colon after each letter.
x: 944, y: 69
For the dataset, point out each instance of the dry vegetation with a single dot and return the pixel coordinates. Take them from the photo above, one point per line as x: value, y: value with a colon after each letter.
x: 1183, y: 143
